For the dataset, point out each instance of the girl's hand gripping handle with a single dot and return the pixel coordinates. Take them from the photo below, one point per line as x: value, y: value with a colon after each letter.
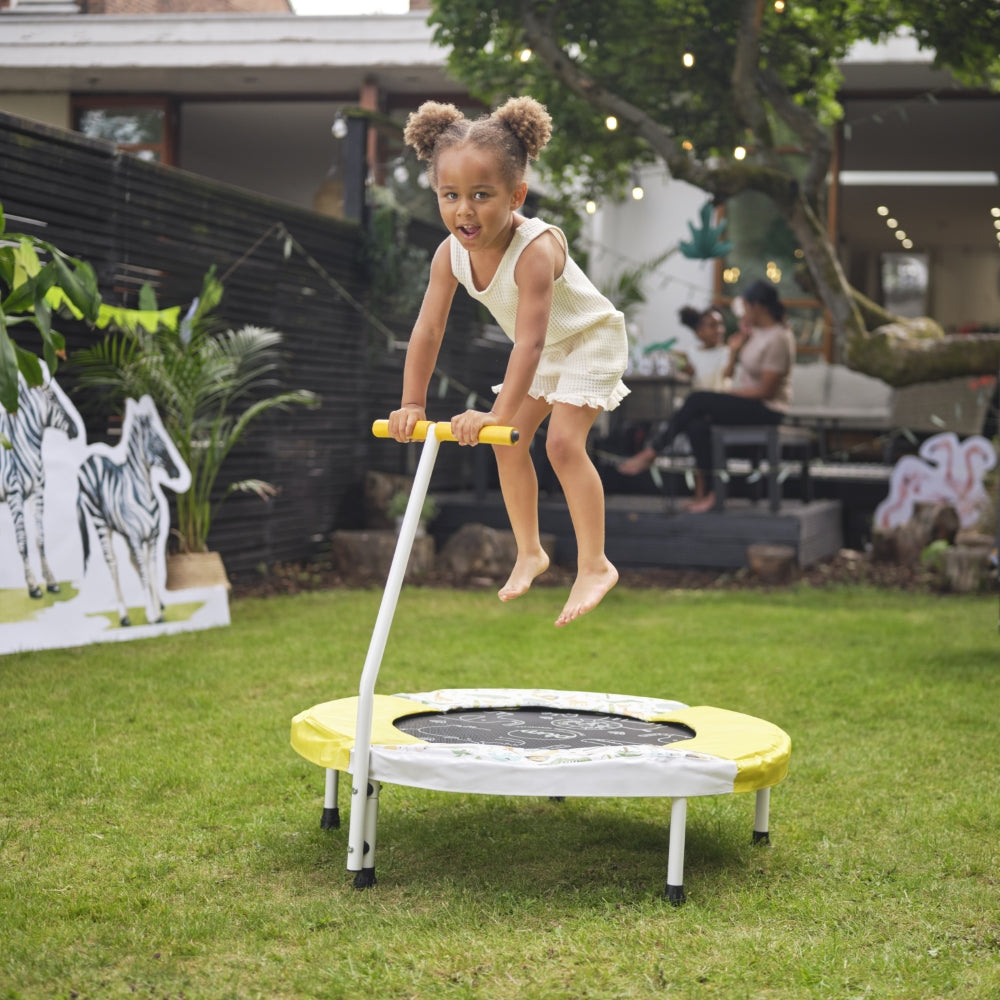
x: 442, y: 430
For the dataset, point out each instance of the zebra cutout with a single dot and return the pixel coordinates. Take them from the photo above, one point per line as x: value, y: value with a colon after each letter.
x: 121, y: 494
x: 22, y: 470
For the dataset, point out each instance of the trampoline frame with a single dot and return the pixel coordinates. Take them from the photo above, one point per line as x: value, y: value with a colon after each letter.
x: 759, y: 767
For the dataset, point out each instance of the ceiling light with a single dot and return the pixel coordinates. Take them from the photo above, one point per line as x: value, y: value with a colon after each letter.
x: 995, y: 212
x: 882, y: 210
x: 919, y: 178
x: 891, y: 223
x: 908, y: 244
x: 900, y: 234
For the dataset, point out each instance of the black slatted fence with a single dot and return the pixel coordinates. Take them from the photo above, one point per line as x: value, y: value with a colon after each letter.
x: 301, y: 273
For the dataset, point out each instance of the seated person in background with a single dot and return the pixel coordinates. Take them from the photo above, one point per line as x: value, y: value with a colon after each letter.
x: 706, y: 365
x: 761, y: 356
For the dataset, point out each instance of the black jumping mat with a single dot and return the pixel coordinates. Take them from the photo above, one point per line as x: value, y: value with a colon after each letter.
x: 539, y: 728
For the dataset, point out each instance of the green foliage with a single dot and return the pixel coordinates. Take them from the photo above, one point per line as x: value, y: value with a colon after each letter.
x: 159, y: 837
x: 632, y: 51
x: 208, y: 384
x: 398, y: 502
x: 760, y: 79
x: 31, y: 271
x: 397, y: 270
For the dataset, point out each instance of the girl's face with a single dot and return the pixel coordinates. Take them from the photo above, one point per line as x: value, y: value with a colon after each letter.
x: 711, y: 329
x: 475, y: 202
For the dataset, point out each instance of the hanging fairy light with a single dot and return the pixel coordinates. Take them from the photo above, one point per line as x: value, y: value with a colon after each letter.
x: 779, y: 6
x: 688, y: 59
x: 525, y: 55
x: 637, y: 190
x: 591, y: 206
x: 611, y: 123
x: 740, y: 153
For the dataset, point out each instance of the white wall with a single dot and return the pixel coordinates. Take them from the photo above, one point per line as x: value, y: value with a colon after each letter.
x: 628, y: 233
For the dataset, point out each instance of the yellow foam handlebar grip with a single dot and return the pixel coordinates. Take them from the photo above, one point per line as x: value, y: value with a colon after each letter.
x: 442, y: 430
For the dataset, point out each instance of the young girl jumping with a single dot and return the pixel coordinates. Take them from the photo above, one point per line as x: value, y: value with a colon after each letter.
x: 570, y: 346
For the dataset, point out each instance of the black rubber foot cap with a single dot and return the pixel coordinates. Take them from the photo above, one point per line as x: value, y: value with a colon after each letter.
x: 330, y: 819
x: 675, y: 893
x: 365, y: 878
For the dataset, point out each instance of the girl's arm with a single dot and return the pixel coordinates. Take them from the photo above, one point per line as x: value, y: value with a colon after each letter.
x: 424, y: 344
x: 535, y: 273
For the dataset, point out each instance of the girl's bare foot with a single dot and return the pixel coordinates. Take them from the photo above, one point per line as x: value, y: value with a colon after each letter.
x: 526, y: 568
x: 588, y: 591
x: 703, y: 505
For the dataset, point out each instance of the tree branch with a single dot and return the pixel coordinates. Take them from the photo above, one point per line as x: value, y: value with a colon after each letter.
x: 815, y: 139
x: 746, y: 97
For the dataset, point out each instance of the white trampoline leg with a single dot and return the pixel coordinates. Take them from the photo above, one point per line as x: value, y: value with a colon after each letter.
x: 675, y: 855
x: 761, y: 834
x: 365, y: 876
x: 331, y: 813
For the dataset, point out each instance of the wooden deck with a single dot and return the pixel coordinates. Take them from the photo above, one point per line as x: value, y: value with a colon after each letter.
x: 651, y: 531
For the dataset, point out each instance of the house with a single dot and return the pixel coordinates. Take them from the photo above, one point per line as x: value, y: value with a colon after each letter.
x: 246, y: 92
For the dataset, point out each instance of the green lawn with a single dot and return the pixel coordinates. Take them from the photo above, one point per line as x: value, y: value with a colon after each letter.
x: 160, y: 838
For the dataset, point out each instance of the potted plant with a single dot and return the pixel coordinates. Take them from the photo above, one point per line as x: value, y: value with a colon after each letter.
x: 396, y: 508
x: 208, y: 384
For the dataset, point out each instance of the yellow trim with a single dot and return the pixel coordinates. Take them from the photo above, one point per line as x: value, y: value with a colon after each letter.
x: 759, y: 749
x: 325, y: 733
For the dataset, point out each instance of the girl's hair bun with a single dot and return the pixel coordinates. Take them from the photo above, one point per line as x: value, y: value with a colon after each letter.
x: 690, y: 316
x: 529, y: 121
x: 427, y: 124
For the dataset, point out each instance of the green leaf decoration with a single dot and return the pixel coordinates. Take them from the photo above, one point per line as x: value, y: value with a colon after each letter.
x: 705, y: 242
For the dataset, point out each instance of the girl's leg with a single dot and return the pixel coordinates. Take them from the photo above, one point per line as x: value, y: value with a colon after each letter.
x: 566, y: 447
x: 519, y: 485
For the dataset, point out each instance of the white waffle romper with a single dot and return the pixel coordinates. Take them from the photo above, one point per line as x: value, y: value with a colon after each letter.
x: 586, y: 346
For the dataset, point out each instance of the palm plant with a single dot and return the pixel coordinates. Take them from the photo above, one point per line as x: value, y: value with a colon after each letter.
x: 207, y: 383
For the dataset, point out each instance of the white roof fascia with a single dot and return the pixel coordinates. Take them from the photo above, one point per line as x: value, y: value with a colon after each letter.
x: 203, y: 40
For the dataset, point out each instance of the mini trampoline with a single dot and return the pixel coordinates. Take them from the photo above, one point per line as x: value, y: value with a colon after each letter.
x: 506, y: 741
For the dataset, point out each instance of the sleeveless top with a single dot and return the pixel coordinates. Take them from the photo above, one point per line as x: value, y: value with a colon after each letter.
x: 577, y: 306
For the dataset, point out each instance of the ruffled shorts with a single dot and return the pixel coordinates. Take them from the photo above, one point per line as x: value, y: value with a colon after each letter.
x: 584, y: 371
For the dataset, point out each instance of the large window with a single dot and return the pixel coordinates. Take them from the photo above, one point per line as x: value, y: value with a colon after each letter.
x: 142, y: 127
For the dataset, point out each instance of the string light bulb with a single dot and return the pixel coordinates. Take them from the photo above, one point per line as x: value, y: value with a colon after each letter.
x: 688, y: 59
x: 525, y: 55
x: 882, y: 210
x: 779, y: 6
x: 739, y: 153
x: 611, y: 123
x: 637, y: 192
x: 591, y: 206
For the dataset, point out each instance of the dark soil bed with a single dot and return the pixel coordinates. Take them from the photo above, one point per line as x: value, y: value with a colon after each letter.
x: 847, y: 567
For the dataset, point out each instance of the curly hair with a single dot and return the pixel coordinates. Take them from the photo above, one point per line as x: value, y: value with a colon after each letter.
x: 692, y: 317
x: 516, y: 132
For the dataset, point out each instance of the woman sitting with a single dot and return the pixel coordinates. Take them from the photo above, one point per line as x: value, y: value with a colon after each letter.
x: 761, y: 356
